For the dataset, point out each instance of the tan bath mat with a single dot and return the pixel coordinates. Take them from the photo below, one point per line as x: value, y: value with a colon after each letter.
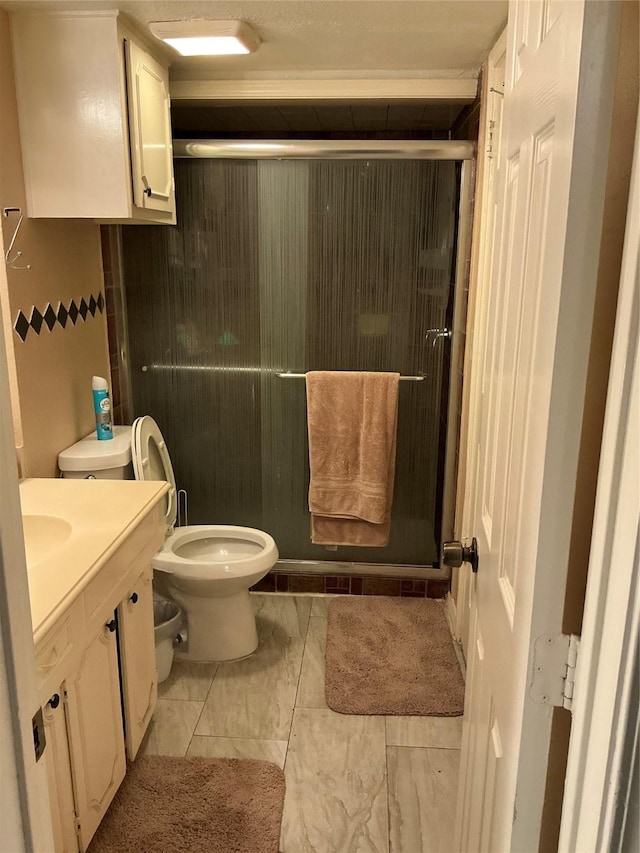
x: 194, y: 805
x: 391, y: 656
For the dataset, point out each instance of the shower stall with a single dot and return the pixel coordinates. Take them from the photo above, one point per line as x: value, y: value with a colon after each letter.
x: 295, y: 256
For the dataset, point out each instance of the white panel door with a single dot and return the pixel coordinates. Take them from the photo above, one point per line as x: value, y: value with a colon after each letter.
x: 484, y: 235
x: 530, y: 374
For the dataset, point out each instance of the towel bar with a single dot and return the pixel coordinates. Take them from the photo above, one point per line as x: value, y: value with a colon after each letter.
x: 419, y: 378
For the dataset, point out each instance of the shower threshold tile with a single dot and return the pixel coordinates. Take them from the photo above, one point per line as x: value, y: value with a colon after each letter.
x: 435, y: 732
x: 254, y: 697
x: 171, y: 727
x: 336, y: 798
x: 423, y: 787
x: 235, y: 747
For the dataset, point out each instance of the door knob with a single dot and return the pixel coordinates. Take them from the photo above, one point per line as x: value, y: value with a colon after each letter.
x: 112, y: 625
x: 454, y: 554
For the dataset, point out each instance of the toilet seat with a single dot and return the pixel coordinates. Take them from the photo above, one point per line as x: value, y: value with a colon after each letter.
x: 216, y: 552
x: 151, y: 461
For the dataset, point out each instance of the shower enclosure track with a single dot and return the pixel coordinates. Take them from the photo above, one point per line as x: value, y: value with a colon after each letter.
x: 325, y: 149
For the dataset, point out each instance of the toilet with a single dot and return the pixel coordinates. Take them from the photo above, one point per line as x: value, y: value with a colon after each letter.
x: 206, y: 568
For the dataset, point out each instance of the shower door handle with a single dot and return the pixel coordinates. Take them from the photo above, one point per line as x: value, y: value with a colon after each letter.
x: 454, y: 554
x: 434, y: 335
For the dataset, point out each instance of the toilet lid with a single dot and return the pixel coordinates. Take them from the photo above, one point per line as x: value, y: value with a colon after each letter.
x: 151, y: 461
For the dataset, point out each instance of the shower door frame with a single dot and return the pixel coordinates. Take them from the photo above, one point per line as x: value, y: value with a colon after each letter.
x: 374, y: 149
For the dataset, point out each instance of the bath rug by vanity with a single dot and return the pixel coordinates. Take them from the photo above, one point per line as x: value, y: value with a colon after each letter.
x: 194, y: 805
x: 391, y: 656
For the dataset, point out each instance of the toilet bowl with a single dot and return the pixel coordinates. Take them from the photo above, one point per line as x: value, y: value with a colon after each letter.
x: 207, y: 569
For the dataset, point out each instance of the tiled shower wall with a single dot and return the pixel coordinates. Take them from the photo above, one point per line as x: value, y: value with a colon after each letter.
x: 116, y: 324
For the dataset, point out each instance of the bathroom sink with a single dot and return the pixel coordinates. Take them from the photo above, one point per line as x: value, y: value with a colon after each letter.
x: 44, y: 536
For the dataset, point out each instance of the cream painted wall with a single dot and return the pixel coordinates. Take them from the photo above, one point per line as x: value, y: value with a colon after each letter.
x: 51, y: 372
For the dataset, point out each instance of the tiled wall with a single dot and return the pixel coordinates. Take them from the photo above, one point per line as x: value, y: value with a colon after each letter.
x: 116, y: 324
x: 332, y: 585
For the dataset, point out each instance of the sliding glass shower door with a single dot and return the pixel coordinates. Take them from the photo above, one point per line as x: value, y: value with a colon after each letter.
x: 288, y: 266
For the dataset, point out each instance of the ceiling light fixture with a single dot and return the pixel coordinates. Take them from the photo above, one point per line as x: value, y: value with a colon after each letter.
x: 207, y: 38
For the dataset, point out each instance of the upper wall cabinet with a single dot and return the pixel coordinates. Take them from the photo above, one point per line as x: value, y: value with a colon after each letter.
x: 94, y: 119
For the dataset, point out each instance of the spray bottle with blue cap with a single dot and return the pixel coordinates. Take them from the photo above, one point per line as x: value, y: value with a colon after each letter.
x: 102, y: 408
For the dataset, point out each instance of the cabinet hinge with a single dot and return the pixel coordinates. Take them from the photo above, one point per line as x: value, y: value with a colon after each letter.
x: 554, y: 667
x: 489, y: 148
x: 39, y: 736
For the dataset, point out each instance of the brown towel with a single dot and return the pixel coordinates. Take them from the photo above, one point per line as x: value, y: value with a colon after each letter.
x: 352, y: 420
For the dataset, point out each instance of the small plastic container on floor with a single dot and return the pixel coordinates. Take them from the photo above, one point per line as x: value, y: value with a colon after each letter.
x: 167, y: 619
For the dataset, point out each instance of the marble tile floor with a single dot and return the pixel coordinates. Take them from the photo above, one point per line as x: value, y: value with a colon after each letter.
x: 355, y: 784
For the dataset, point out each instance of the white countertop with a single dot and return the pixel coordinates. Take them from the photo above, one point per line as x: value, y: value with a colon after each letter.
x: 72, y: 528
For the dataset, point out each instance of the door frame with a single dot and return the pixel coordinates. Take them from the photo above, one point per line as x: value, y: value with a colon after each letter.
x: 605, y: 713
x: 26, y: 821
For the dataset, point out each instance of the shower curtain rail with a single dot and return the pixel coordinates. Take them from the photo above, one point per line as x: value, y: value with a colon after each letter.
x: 419, y: 378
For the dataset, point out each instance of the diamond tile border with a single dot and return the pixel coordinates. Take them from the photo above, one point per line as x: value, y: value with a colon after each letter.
x: 38, y: 320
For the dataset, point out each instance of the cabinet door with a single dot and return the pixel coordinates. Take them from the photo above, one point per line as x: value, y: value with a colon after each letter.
x: 137, y: 661
x: 150, y: 131
x: 58, y: 764
x: 95, y: 731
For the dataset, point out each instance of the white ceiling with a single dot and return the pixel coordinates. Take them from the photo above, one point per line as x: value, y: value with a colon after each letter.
x: 329, y: 38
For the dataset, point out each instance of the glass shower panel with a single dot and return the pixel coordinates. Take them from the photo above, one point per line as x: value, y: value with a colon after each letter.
x: 279, y: 266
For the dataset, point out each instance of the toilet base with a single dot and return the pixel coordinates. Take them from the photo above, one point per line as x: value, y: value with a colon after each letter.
x: 218, y: 629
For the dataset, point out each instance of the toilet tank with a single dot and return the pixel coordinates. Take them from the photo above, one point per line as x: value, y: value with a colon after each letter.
x: 105, y: 460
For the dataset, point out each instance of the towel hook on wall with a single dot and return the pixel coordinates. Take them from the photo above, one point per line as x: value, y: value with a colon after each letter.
x: 11, y: 261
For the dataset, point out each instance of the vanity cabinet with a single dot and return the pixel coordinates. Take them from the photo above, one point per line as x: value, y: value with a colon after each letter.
x: 93, y: 105
x: 137, y: 661
x: 96, y: 742
x: 58, y: 764
x: 96, y: 661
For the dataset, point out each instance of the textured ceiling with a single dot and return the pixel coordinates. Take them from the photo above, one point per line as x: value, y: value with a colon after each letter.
x: 335, y: 38
x: 342, y: 120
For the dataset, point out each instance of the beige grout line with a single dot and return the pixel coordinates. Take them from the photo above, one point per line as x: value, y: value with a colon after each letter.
x: 193, y: 733
x: 239, y: 737
x: 386, y: 778
x: 444, y: 748
x: 295, y: 700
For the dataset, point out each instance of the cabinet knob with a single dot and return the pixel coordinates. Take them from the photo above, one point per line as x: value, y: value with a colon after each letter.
x: 148, y: 191
x: 54, y: 701
x: 111, y: 625
x: 133, y: 598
